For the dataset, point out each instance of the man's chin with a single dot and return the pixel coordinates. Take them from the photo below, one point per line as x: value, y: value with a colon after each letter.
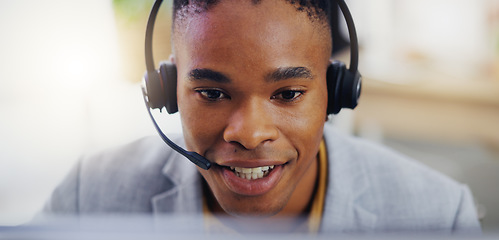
x: 252, y: 214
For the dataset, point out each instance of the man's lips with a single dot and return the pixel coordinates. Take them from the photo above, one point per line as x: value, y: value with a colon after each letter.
x: 258, y: 171
x: 252, y: 173
x: 228, y: 155
x: 250, y: 163
x: 251, y: 181
x: 251, y: 169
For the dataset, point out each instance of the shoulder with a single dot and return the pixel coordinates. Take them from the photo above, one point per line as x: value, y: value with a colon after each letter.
x: 401, y: 192
x: 120, y: 179
x: 145, y: 156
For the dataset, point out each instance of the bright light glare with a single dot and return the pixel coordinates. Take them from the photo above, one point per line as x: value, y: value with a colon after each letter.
x: 75, y: 64
x: 62, y: 94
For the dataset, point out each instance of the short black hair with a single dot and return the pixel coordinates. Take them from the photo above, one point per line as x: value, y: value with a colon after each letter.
x: 315, y: 9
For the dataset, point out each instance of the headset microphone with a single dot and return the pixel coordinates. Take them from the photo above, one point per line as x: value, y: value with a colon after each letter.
x: 152, y: 85
x: 194, y: 157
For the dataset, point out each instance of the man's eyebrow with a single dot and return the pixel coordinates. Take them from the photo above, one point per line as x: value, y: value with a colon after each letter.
x: 207, y: 74
x: 284, y: 73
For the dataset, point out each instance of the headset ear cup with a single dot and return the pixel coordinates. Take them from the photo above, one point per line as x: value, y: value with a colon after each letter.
x: 351, y: 89
x: 334, y: 77
x: 154, y: 89
x: 168, y: 73
x: 344, y: 87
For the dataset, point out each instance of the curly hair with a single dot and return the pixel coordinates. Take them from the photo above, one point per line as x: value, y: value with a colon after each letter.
x: 317, y: 10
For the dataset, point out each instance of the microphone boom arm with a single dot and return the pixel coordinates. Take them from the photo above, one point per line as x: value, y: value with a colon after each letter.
x: 194, y: 157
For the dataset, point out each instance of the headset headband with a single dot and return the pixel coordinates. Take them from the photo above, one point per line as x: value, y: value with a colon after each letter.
x: 354, y: 49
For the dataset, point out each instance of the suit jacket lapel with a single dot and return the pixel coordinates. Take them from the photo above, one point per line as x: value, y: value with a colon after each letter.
x: 344, y: 209
x: 185, y: 197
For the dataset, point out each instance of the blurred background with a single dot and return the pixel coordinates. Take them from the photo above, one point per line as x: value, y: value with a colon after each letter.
x: 70, y: 73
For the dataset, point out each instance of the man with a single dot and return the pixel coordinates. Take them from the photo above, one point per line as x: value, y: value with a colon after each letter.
x: 252, y: 97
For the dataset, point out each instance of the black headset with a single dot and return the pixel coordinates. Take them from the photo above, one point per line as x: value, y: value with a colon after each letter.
x: 160, y: 86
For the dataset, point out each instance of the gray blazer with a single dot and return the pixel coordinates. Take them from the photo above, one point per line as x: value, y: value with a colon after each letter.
x: 370, y: 188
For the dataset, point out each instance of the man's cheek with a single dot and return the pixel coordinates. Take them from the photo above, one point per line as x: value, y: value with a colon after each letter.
x: 204, y: 135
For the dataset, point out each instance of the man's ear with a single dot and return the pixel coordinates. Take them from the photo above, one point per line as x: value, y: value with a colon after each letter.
x: 172, y: 58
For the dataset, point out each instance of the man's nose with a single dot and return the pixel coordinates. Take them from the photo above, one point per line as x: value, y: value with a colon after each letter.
x: 251, y: 124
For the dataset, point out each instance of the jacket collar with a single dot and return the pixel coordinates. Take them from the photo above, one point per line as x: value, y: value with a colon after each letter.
x: 347, y: 185
x: 185, y: 196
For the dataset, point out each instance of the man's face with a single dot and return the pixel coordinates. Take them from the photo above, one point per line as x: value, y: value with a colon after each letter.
x: 252, y: 93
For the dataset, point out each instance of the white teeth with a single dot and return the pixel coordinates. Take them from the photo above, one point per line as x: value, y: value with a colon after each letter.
x: 252, y: 173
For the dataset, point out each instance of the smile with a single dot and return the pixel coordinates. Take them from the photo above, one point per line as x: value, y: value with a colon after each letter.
x: 252, y: 181
x: 252, y: 173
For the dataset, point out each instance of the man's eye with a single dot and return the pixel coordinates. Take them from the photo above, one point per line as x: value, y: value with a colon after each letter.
x: 211, y: 94
x: 288, y: 95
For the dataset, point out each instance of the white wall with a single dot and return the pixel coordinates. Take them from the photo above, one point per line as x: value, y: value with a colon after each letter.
x: 453, y: 35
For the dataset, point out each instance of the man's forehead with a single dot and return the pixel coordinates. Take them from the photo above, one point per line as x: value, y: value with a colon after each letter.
x: 249, y: 11
x: 233, y: 21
